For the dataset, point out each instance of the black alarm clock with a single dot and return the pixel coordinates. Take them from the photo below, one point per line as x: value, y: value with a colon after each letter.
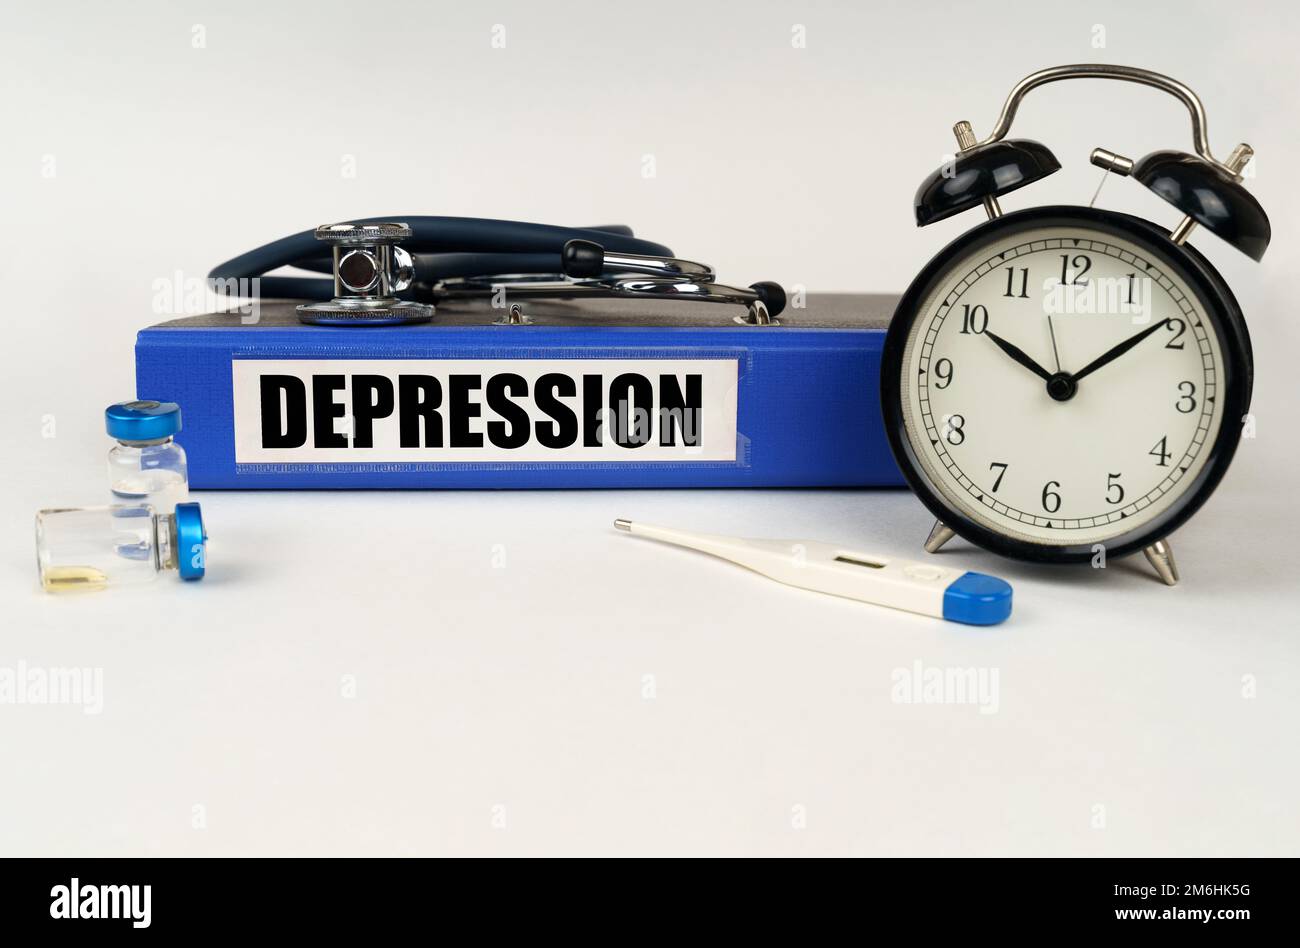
x: 1064, y: 383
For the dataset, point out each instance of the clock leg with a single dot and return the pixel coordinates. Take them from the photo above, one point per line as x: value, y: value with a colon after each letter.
x: 1161, y: 557
x: 940, y: 534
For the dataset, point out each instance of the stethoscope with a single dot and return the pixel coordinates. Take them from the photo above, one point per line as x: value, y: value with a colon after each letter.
x: 387, y: 273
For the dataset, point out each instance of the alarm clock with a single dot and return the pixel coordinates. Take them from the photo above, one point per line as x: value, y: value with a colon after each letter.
x: 1066, y: 382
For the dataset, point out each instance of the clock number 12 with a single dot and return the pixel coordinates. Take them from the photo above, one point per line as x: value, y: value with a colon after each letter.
x: 1081, y: 263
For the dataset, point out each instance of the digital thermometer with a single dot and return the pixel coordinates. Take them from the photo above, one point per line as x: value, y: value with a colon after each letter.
x: 953, y: 594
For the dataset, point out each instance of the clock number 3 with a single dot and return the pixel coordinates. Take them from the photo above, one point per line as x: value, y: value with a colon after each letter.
x: 1186, y: 403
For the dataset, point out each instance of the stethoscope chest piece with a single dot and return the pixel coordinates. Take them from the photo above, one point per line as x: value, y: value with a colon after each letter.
x: 369, y: 271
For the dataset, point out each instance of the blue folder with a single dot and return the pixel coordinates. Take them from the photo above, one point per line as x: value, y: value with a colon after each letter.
x: 591, y: 394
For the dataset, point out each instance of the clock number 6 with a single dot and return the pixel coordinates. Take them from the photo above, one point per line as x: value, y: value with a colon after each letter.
x: 1051, y: 499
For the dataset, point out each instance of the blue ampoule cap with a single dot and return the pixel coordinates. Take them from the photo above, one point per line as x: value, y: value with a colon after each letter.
x: 191, y: 541
x: 142, y: 420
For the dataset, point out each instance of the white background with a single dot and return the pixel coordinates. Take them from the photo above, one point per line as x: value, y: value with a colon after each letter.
x: 500, y: 643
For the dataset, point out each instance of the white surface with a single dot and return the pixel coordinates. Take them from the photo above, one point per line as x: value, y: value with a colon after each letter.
x: 514, y: 697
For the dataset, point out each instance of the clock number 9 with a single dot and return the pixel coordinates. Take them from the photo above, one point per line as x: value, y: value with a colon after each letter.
x: 943, y: 372
x: 1186, y: 398
x: 952, y: 429
x: 974, y: 319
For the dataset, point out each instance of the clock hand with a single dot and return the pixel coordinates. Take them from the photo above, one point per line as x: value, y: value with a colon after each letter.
x: 1018, y: 355
x: 1056, y: 353
x: 1110, y: 355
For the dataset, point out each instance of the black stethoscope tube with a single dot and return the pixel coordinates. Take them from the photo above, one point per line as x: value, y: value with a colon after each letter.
x: 442, y: 248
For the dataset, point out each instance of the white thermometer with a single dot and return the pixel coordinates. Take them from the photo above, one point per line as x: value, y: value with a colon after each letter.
x: 953, y: 594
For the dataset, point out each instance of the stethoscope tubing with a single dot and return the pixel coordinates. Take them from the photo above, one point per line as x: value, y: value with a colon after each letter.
x: 442, y: 248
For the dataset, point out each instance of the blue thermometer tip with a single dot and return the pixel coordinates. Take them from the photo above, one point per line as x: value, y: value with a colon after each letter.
x: 977, y: 599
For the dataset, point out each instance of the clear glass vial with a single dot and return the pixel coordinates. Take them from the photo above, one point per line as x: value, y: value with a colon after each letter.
x: 146, y: 466
x: 83, y: 548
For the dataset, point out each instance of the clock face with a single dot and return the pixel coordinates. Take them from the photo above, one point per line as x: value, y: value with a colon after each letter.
x: 1062, y: 384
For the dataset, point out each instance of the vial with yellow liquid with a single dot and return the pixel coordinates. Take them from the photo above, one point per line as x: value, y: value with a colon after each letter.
x: 90, y: 548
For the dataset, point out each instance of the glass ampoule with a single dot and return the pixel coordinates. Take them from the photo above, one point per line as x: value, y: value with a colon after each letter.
x: 146, y: 466
x: 89, y: 548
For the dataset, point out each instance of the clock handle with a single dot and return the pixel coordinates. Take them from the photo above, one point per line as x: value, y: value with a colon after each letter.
x: 1200, y: 133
